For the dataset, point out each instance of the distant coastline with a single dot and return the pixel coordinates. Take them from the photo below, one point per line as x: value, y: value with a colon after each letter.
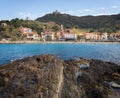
x: 54, y: 42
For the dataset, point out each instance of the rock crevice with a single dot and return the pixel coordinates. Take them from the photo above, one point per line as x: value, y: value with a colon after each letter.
x: 46, y: 76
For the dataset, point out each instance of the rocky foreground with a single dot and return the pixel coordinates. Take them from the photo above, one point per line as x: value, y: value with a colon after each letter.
x: 46, y: 76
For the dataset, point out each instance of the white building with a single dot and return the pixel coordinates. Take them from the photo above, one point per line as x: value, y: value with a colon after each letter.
x: 33, y: 36
x: 3, y: 24
x: 48, y: 36
x: 104, y: 37
x: 70, y: 36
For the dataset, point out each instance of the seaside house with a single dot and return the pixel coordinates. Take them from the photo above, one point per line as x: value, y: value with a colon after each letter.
x: 70, y: 36
x: 48, y: 35
x: 96, y: 36
x: 104, y: 36
x: 25, y: 30
x: 118, y: 36
x: 60, y: 36
x: 67, y: 35
x: 33, y: 36
x: 29, y: 34
x: 114, y: 36
x: 3, y: 24
x: 89, y: 36
x: 92, y: 36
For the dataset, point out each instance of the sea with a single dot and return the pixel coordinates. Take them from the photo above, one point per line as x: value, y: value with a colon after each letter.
x: 107, y: 52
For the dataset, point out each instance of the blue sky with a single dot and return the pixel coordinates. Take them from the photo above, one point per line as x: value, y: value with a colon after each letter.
x: 33, y: 9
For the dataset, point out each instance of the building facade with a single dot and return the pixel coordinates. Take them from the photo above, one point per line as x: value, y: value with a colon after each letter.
x: 29, y: 34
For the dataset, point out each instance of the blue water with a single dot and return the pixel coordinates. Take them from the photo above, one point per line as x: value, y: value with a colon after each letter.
x: 109, y: 52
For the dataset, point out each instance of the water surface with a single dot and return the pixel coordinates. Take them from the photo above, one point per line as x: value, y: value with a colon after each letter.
x: 110, y: 52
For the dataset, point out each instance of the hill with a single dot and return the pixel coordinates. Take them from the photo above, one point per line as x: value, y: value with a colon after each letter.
x: 11, y: 29
x: 108, y: 23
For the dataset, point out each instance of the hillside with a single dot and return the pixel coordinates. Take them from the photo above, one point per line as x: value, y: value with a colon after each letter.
x: 11, y: 30
x: 101, y: 23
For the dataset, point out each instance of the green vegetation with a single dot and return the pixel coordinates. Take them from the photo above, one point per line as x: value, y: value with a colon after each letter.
x: 11, y: 29
x: 105, y: 23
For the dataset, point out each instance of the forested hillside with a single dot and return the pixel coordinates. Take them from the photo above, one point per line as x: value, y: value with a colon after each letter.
x: 104, y: 23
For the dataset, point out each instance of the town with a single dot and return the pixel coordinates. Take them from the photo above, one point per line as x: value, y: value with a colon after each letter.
x: 68, y: 35
x: 65, y: 34
x: 60, y: 49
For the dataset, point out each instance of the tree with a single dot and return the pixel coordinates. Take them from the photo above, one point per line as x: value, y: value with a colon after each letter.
x: 55, y: 28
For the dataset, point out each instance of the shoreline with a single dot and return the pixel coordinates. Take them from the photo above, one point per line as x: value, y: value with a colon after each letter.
x: 54, y: 42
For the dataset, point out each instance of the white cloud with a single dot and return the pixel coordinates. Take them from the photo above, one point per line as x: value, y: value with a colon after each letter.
x: 70, y: 12
x: 86, y: 10
x: 29, y: 15
x: 101, y: 8
x: 97, y: 14
x: 114, y: 7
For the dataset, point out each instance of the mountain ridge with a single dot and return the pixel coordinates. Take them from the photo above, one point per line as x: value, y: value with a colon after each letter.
x: 111, y: 22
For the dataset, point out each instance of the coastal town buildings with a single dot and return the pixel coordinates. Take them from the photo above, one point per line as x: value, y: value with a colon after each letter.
x: 48, y: 35
x: 92, y: 36
x: 66, y: 34
x: 96, y: 36
x: 3, y: 24
x: 114, y: 36
x: 25, y: 30
x: 104, y: 36
x: 70, y: 36
x: 28, y: 33
x: 33, y: 36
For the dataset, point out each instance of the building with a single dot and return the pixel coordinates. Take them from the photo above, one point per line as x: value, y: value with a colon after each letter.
x: 48, y: 35
x: 114, y: 36
x: 56, y: 12
x: 104, y: 37
x: 25, y: 30
x: 118, y: 36
x: 3, y: 24
x: 92, y: 36
x: 66, y: 34
x: 33, y: 36
x: 96, y: 36
x: 70, y: 36
x: 29, y: 34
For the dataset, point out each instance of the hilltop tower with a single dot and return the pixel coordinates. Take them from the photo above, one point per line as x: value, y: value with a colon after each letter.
x: 56, y: 12
x: 27, y: 18
x: 62, y: 29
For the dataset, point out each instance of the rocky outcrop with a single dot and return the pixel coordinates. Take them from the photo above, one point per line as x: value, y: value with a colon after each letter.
x: 93, y: 81
x: 34, y: 77
x: 46, y: 76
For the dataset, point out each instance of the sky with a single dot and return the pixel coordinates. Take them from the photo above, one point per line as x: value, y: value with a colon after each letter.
x: 10, y: 9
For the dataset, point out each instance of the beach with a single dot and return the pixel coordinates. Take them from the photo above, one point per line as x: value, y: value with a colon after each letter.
x: 55, y: 42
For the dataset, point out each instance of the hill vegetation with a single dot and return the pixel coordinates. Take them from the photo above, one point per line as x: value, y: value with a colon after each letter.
x: 104, y: 23
x: 11, y: 30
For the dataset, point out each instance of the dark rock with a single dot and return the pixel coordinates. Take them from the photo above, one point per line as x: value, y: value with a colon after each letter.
x: 45, y: 76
